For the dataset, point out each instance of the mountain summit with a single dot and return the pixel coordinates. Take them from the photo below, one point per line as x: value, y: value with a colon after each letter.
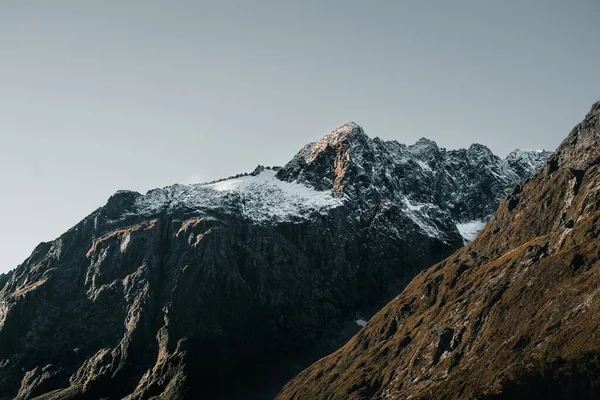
x: 466, y: 184
x: 513, y: 315
x: 227, y: 288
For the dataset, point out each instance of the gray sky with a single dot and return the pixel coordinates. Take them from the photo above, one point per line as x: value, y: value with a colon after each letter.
x: 107, y: 95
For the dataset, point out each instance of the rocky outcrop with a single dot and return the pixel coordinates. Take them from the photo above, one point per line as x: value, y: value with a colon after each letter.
x: 224, y: 290
x: 513, y: 315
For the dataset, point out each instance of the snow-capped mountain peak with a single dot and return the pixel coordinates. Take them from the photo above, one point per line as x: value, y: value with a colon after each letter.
x: 466, y: 184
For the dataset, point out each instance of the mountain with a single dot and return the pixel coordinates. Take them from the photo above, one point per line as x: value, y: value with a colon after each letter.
x: 466, y: 184
x: 513, y: 315
x: 226, y: 289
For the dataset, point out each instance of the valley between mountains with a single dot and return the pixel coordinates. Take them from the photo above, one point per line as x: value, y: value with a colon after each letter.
x: 228, y: 289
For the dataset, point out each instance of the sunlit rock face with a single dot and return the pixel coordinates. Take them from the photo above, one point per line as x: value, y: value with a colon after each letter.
x: 226, y: 289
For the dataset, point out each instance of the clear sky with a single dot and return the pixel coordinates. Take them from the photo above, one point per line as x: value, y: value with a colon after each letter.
x: 107, y: 95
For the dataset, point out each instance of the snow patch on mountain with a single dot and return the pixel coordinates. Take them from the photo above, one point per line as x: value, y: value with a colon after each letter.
x: 260, y: 198
x: 412, y: 206
x: 469, y: 230
x: 361, y: 322
x: 424, y: 165
x: 419, y: 215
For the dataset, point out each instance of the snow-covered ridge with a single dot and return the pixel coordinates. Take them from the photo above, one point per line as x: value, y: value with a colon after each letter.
x: 434, y: 188
x: 260, y: 197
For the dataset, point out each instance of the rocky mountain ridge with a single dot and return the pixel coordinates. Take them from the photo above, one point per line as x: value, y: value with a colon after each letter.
x: 512, y: 315
x: 198, y: 290
x: 459, y: 186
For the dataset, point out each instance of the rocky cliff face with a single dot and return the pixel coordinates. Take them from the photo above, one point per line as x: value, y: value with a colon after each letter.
x: 223, y: 289
x: 512, y: 315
